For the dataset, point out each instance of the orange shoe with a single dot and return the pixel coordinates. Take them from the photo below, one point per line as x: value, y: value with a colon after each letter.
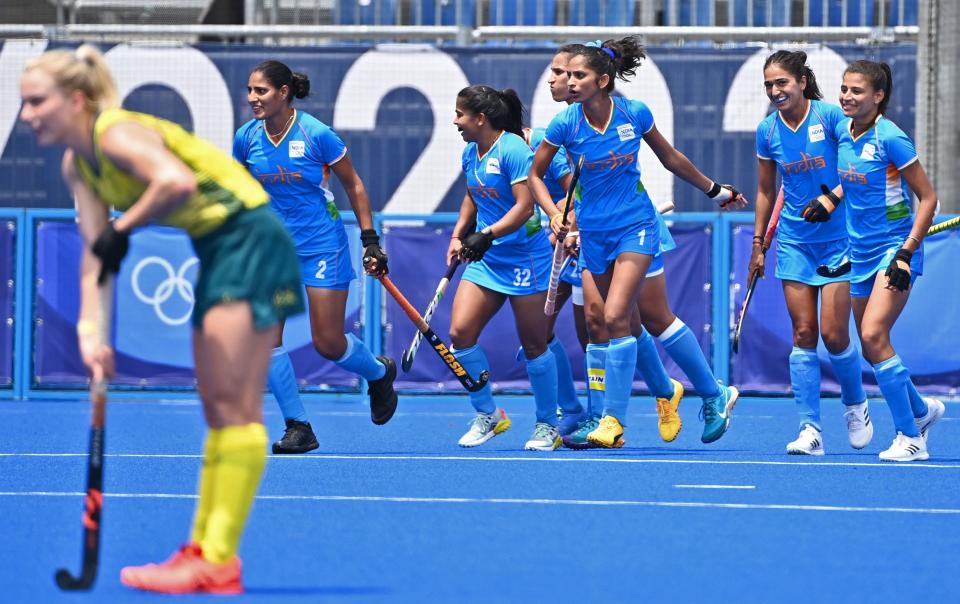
x: 186, y: 571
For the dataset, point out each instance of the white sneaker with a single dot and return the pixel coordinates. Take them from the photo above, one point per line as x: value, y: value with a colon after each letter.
x: 545, y: 438
x: 810, y: 442
x: 859, y: 426
x: 906, y: 448
x: 484, y: 427
x: 935, y: 409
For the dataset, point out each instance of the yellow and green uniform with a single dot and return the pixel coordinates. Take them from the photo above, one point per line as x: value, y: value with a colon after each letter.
x: 244, y: 251
x: 245, y: 255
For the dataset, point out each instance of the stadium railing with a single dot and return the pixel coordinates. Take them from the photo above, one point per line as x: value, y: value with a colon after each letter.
x: 473, y: 13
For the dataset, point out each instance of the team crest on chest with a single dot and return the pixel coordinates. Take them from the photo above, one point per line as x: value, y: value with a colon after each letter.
x: 493, y: 166
x: 625, y: 132
x: 815, y: 133
x: 869, y: 151
x: 297, y: 148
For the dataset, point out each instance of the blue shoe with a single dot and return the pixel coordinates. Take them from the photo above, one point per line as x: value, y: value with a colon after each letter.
x: 716, y: 412
x: 578, y: 439
x: 570, y: 422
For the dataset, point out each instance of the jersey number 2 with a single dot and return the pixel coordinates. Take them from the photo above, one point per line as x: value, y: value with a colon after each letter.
x: 321, y: 270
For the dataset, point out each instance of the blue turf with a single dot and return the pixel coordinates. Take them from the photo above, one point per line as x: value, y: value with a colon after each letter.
x: 588, y: 526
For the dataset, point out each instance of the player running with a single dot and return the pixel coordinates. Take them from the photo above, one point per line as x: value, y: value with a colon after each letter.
x: 292, y: 154
x: 619, y: 230
x: 510, y: 258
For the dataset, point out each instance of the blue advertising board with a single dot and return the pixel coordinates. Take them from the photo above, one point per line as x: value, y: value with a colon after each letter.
x: 394, y: 104
x: 924, y: 336
x: 8, y: 322
x: 152, y: 328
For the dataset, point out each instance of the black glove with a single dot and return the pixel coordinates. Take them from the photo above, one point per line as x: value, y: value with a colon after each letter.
x: 110, y: 247
x: 899, y: 277
x: 820, y: 209
x: 475, y: 245
x: 723, y: 194
x: 374, y: 258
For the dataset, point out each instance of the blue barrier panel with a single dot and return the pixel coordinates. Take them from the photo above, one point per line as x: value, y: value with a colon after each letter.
x: 925, y: 335
x: 365, y: 12
x: 152, y: 327
x: 520, y: 12
x: 417, y: 264
x: 8, y: 323
x: 606, y: 13
x: 392, y: 105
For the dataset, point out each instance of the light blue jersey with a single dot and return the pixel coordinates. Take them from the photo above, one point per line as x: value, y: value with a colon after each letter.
x: 296, y: 174
x: 610, y: 192
x: 806, y: 158
x: 490, y: 181
x: 559, y: 166
x: 518, y: 263
x: 879, y: 214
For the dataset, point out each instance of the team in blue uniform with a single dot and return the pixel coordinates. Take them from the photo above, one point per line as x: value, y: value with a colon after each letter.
x: 291, y: 153
x: 798, y: 141
x: 510, y: 258
x: 876, y: 163
x: 619, y: 231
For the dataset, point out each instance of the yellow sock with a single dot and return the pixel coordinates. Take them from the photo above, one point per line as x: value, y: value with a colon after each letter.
x: 241, y: 456
x: 207, y: 482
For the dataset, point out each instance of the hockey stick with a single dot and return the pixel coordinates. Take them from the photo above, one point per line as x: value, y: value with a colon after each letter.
x: 550, y: 306
x: 755, y: 275
x: 94, y: 500
x: 408, y: 355
x: 944, y: 226
x: 442, y: 350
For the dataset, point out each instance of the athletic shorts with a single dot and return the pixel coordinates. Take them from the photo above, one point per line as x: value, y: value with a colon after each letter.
x: 656, y: 268
x: 328, y: 270
x: 599, y: 249
x: 576, y: 295
x: 861, y: 285
x: 801, y: 261
x: 251, y: 258
x: 514, y: 275
x: 571, y: 274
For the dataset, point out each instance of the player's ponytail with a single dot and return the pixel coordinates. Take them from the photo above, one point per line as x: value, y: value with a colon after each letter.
x: 795, y: 63
x: 618, y: 59
x: 513, y: 120
x: 503, y: 109
x: 888, y: 89
x: 83, y: 69
x: 300, y: 85
x: 880, y: 76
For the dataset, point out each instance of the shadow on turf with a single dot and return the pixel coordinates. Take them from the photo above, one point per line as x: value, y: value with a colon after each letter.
x: 329, y: 590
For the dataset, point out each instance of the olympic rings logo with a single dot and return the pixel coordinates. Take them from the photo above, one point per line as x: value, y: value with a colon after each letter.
x: 174, y: 282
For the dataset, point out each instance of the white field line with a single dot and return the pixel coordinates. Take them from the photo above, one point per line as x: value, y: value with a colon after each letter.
x: 531, y: 458
x: 714, y: 486
x: 509, y: 501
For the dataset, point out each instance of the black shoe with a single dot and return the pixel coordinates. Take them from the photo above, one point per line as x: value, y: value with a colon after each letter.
x: 298, y: 438
x: 383, y: 398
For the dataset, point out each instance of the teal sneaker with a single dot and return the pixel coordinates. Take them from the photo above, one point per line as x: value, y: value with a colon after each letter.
x: 578, y: 439
x: 570, y: 422
x: 716, y: 412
